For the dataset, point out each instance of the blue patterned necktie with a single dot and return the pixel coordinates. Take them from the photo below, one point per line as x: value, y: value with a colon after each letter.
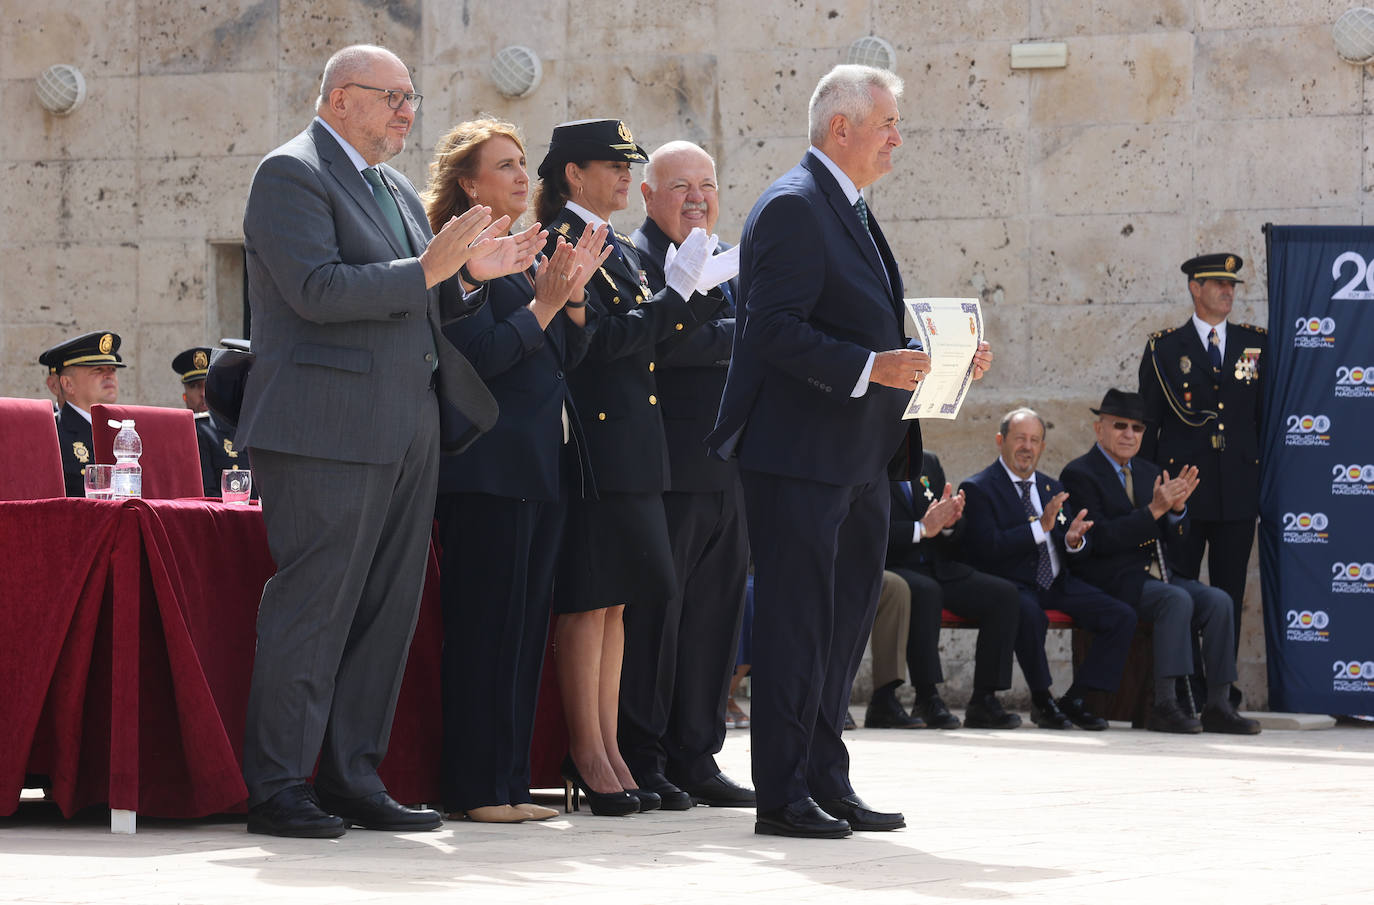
x: 1044, y: 570
x: 1214, y: 350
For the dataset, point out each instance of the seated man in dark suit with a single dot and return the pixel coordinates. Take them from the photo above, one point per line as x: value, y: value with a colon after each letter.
x: 923, y: 548
x: 1139, y: 516
x: 1017, y: 529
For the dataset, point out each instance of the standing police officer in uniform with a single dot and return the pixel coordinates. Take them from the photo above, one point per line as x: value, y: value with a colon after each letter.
x: 217, y: 452
x: 1202, y: 383
x: 86, y: 368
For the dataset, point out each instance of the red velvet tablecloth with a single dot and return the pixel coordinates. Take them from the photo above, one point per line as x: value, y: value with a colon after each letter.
x: 126, y: 647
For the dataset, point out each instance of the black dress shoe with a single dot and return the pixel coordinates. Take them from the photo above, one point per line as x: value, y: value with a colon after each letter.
x: 803, y: 819
x: 672, y: 797
x: 936, y: 715
x: 886, y: 712
x: 379, y: 811
x: 1050, y: 716
x: 1167, y: 716
x: 1222, y: 718
x: 294, y: 812
x: 1081, y: 716
x: 987, y: 713
x: 720, y: 791
x: 860, y: 817
x: 648, y: 801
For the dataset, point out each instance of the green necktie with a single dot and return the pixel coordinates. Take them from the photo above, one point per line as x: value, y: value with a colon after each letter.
x: 393, y: 217
x: 861, y: 209
x: 388, y: 206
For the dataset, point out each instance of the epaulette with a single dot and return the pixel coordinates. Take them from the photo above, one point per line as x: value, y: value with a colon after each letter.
x: 1260, y: 330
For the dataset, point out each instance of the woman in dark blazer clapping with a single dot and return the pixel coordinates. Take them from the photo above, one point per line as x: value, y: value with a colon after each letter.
x: 502, y: 503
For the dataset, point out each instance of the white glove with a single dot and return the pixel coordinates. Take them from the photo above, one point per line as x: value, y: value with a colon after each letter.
x: 718, y: 268
x: 683, y: 272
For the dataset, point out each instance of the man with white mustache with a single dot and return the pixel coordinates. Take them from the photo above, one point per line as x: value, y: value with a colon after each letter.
x: 678, y: 660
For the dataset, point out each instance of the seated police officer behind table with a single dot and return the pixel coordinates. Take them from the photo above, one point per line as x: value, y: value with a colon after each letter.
x: 87, y: 371
x: 925, y: 529
x: 217, y: 451
x: 1140, y: 516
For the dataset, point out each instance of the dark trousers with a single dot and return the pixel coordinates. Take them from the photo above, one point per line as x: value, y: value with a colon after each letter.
x: 1181, y: 611
x: 498, y: 567
x: 1110, y: 621
x: 992, y: 603
x: 818, y: 554
x: 350, y: 542
x: 1228, y: 546
x: 682, y: 726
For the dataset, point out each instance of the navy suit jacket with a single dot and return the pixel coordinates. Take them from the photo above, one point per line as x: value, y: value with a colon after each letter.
x: 998, y: 537
x: 1123, y: 533
x: 691, y: 376
x: 817, y: 297
x: 936, y: 556
x: 526, y: 368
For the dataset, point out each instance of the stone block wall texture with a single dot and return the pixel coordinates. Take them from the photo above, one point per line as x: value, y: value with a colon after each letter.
x: 1065, y: 199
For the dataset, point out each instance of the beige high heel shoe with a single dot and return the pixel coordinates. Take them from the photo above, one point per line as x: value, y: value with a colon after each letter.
x: 497, y: 813
x: 535, y: 811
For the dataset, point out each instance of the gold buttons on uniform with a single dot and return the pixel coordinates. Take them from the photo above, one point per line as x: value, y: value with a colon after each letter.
x: 651, y: 366
x: 678, y: 327
x: 601, y: 416
x: 653, y: 400
x: 616, y: 300
x: 1220, y: 426
x: 1220, y: 406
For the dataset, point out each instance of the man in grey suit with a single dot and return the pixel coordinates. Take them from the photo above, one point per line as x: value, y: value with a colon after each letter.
x: 353, y: 392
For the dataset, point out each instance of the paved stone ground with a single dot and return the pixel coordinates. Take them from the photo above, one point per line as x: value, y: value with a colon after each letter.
x: 1032, y: 816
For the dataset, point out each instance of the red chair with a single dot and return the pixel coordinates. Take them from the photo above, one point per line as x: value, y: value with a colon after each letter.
x: 171, y: 455
x: 30, y: 457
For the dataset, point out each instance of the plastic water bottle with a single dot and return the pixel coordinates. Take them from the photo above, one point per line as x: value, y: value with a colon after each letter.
x: 127, y: 475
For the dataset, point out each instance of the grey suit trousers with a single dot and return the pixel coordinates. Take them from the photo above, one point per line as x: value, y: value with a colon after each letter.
x: 1180, y: 608
x: 350, y: 541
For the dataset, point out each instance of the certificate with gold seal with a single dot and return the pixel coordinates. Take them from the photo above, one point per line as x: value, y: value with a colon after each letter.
x: 950, y: 331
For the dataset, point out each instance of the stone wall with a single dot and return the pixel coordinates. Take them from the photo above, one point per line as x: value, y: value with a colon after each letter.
x: 1064, y: 198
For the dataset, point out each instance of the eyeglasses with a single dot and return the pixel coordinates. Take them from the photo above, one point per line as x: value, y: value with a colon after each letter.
x: 1134, y: 427
x: 394, y: 98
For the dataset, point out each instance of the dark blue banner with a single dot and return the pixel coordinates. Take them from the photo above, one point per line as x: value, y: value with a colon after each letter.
x: 1317, y: 470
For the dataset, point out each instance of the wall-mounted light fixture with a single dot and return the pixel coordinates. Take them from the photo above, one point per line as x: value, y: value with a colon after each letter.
x: 61, y: 89
x: 1353, y: 35
x: 1039, y: 55
x: 516, y: 71
x: 872, y: 50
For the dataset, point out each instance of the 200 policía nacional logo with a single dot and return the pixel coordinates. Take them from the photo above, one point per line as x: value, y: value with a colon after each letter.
x: 1352, y: 675
x: 1314, y: 333
x: 1308, y: 430
x: 1307, y: 626
x: 1354, y: 382
x: 1305, y: 528
x: 1352, y: 480
x: 1352, y: 578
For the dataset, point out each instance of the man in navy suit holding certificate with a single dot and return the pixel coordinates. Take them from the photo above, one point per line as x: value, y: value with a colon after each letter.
x: 812, y: 408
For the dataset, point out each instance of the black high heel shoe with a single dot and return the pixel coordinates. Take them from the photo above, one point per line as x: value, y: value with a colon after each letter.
x: 603, y: 804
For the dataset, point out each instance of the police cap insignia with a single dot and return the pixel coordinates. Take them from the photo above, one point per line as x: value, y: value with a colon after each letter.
x: 106, y: 343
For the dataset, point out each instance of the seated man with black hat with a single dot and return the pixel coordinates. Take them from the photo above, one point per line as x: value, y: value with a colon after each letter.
x: 1139, y: 516
x: 86, y: 367
x: 217, y: 452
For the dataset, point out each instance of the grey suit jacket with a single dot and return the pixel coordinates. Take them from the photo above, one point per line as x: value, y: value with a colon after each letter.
x: 344, y: 329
